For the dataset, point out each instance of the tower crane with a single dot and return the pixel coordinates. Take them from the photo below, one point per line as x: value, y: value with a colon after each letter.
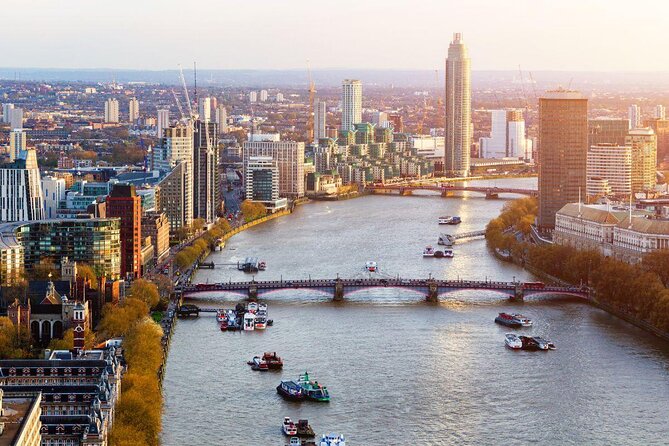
x: 312, y: 112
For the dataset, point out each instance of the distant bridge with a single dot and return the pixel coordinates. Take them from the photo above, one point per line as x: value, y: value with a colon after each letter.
x: 448, y: 190
x: 430, y: 288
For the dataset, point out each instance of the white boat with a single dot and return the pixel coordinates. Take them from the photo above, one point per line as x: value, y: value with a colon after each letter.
x: 512, y: 341
x: 295, y: 441
x: 524, y: 321
x: 260, y: 320
x: 445, y: 220
x: 544, y: 344
x: 448, y: 253
x: 332, y: 440
x: 249, y: 322
x: 252, y: 307
x: 428, y: 251
x: 262, y: 306
x: 289, y: 427
x: 221, y: 316
x: 371, y: 266
x: 446, y: 240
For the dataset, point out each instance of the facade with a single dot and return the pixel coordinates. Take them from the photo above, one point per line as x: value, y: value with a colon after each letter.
x: 611, y: 163
x: 261, y: 177
x: 111, y: 110
x: 206, y: 172
x: 20, y: 189
x: 563, y: 151
x: 17, y: 143
x: 20, y: 414
x: 204, y: 109
x: 263, y: 95
x: 163, y: 121
x: 643, y: 143
x: 289, y: 156
x: 16, y: 118
x: 634, y: 116
x: 607, y: 131
x: 53, y: 191
x: 253, y: 97
x: 125, y: 204
x: 458, y: 109
x: 619, y: 234
x: 157, y: 226
x: 660, y: 112
x: 428, y: 146
x: 222, y: 119
x: 133, y: 110
x: 507, y: 137
x: 176, y: 196
x: 7, y: 112
x: 351, y: 103
x: 661, y: 129
x: 320, y: 114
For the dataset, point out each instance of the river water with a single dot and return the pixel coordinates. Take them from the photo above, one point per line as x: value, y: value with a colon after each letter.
x: 400, y: 371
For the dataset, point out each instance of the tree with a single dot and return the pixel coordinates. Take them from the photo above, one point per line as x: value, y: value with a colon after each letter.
x: 145, y: 291
x: 657, y: 262
x: 252, y: 210
x: 88, y: 273
x: 118, y: 320
x: 44, y: 270
x: 198, y: 224
x: 142, y: 348
x: 11, y: 345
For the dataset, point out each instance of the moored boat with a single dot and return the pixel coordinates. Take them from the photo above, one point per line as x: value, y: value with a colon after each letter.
x: 312, y: 389
x: 332, y: 440
x: 258, y: 364
x: 290, y: 390
x: 445, y: 220
x: 252, y: 307
x: 295, y: 441
x: 221, y: 315
x: 224, y: 325
x: 262, y: 265
x: 529, y: 343
x: 513, y: 320
x: 261, y: 320
x: 289, y: 427
x: 428, y: 251
x: 544, y: 344
x: 249, y: 322
x: 512, y: 341
x: 446, y: 240
x: 455, y: 220
x: 371, y: 266
x: 304, y: 429
x: 448, y: 253
x: 272, y: 360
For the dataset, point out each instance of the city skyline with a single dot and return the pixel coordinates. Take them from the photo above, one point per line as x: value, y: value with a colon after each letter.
x: 124, y: 40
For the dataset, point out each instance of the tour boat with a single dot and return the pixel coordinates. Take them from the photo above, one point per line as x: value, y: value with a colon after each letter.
x: 249, y: 322
x: 512, y: 341
x: 333, y: 440
x: 312, y: 389
x: 371, y: 266
x: 290, y: 390
x: 544, y: 344
x: 445, y: 220
x: 448, y: 253
x: 221, y: 315
x: 513, y: 320
x: 446, y: 240
x: 529, y: 343
x: 428, y: 251
x: 289, y: 427
x: 304, y: 429
x: 260, y: 321
x: 252, y: 307
x: 258, y: 364
x: 272, y: 360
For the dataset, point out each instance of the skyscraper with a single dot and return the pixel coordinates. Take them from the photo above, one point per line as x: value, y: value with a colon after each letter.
x: 290, y: 160
x: 16, y: 118
x: 17, y: 143
x: 660, y: 112
x: 163, y: 122
x: 111, y: 110
x: 604, y: 130
x: 204, y: 109
x: 643, y: 142
x: 634, y: 115
x: 20, y: 189
x: 125, y: 204
x: 206, y: 171
x: 222, y: 118
x: 351, y: 104
x: 609, y: 170
x: 320, y: 113
x: 563, y: 152
x: 263, y: 95
x: 7, y: 112
x: 458, y: 109
x: 133, y: 110
x: 253, y: 96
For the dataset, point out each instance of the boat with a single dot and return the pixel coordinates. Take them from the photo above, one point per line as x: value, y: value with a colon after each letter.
x: 262, y: 265
x: 258, y: 364
x: 249, y: 322
x: 312, y: 389
x: 233, y: 324
x: 262, y: 306
x: 448, y: 253
x: 446, y: 240
x: 252, y: 307
x: 529, y: 343
x: 290, y: 390
x: 224, y: 325
x: 289, y: 427
x: 332, y: 440
x: 455, y: 221
x: 295, y: 441
x: 371, y: 266
x: 221, y: 315
x: 428, y: 251
x: 272, y: 360
x: 513, y: 320
x: 544, y: 344
x: 512, y: 341
x: 445, y: 220
x: 304, y: 429
x: 260, y: 321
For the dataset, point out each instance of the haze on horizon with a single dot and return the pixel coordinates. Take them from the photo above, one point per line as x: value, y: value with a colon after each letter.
x: 575, y: 35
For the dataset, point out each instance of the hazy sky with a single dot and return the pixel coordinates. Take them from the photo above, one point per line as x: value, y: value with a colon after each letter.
x: 271, y: 34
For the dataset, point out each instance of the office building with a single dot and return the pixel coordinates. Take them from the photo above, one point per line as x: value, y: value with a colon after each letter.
x: 607, y: 131
x: 111, y: 110
x: 507, y: 136
x: 428, y: 146
x: 320, y: 114
x: 261, y: 177
x: 176, y: 195
x: 661, y: 129
x: 351, y: 104
x: 263, y: 96
x: 289, y: 157
x: 20, y: 189
x: 125, y: 204
x: 396, y: 122
x: 563, y: 152
x: 643, y: 144
x: 133, y: 110
x: 222, y: 119
x: 53, y: 191
x: 206, y: 172
x: 610, y: 163
x: 204, y: 109
x: 163, y: 122
x: 17, y: 143
x: 253, y: 97
x: 458, y: 109
x: 157, y: 226
x: 7, y: 112
x: 16, y: 118
x: 634, y: 116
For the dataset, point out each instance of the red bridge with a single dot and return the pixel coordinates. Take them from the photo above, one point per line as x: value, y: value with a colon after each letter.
x: 448, y: 190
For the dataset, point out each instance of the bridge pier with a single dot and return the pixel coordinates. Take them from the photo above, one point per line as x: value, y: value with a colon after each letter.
x: 447, y: 193
x: 338, y: 291
x: 253, y: 292
x: 518, y: 294
x: 405, y: 192
x: 432, y: 291
x: 491, y: 195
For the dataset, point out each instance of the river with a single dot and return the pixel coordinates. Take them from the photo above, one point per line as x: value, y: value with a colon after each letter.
x: 401, y: 371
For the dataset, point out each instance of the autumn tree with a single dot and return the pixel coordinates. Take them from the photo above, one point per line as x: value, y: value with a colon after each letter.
x: 145, y: 291
x: 252, y: 210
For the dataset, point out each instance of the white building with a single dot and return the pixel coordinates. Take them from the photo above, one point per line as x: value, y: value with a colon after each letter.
x: 176, y: 149
x: 279, y: 97
x: 458, y: 109
x: 20, y: 189
x: 260, y: 137
x: 660, y: 112
x: 612, y: 163
x: 17, y: 143
x: 507, y: 136
x: 428, y: 146
x: 133, y: 110
x: 351, y: 104
x: 634, y: 115
x: 261, y: 178
x: 263, y: 95
x: 204, y: 109
x: 320, y: 114
x: 222, y: 119
x: 16, y: 118
x: 289, y: 156
x: 53, y: 191
x: 7, y: 112
x: 111, y: 110
x: 163, y: 122
x: 253, y: 97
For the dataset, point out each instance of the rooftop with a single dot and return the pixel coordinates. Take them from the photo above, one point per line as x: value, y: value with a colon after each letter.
x: 15, y: 411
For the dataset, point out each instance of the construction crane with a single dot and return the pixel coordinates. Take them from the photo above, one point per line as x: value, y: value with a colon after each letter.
x: 183, y: 84
x: 312, y: 112
x: 181, y: 110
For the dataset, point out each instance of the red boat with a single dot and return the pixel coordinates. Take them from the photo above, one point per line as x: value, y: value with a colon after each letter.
x: 273, y: 361
x: 224, y: 325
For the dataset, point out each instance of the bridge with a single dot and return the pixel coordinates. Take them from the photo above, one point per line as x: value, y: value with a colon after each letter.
x: 430, y: 288
x: 448, y: 190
